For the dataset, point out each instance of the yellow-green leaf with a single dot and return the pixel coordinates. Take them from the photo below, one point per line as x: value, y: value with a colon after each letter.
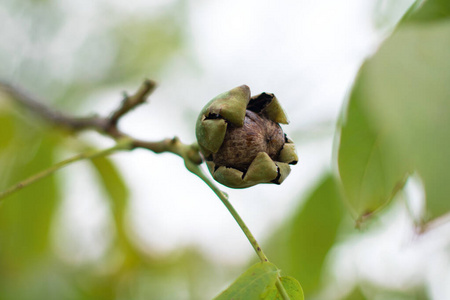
x: 292, y: 287
x: 255, y: 283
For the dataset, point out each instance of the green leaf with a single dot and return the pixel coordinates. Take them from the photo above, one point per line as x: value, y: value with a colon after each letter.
x: 154, y: 41
x: 292, y: 287
x: 371, y: 171
x: 7, y: 129
x: 117, y: 190
x: 425, y: 11
x: 407, y: 91
x: 356, y: 294
x: 26, y: 216
x: 301, y: 246
x: 255, y: 283
x: 113, y: 183
x: 398, y: 116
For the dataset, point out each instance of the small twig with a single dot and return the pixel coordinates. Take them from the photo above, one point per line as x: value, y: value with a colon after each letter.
x: 104, y: 125
x: 86, y: 155
x: 131, y: 102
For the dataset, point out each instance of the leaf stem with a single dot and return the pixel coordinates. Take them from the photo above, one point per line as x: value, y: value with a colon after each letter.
x: 194, y: 168
x: 197, y: 171
x: 121, y: 145
x: 281, y: 289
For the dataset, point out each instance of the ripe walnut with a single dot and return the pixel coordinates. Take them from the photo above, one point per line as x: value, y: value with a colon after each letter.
x: 241, y: 140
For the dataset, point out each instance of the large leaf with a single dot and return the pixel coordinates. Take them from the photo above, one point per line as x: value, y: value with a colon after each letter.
x: 255, y: 283
x: 371, y: 170
x: 301, y: 246
x: 407, y: 91
x: 398, y: 115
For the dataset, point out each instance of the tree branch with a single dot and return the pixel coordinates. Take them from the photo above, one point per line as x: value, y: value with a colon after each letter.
x: 105, y: 125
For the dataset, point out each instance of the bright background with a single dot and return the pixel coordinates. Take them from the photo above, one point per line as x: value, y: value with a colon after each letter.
x: 80, y: 56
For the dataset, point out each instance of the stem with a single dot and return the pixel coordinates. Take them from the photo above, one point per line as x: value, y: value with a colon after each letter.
x: 86, y: 155
x: 197, y: 171
x: 281, y: 289
x: 233, y: 212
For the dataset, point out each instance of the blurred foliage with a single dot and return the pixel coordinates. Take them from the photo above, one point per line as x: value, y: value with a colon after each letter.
x: 369, y: 291
x: 427, y: 11
x: 356, y: 294
x: 300, y: 247
x: 370, y: 168
x: 86, y: 46
x: 145, y: 46
x: 397, y: 120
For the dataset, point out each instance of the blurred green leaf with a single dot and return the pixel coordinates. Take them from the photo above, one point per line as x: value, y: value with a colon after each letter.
x: 113, y: 182
x: 356, y: 294
x: 26, y: 216
x: 407, y: 92
x: 371, y: 170
x: 301, y: 246
x: 144, y: 45
x: 255, y: 283
x: 7, y: 129
x: 398, y: 116
x: 117, y: 190
x: 293, y: 289
x: 425, y: 11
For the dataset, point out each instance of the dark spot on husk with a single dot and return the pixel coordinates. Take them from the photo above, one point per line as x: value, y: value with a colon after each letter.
x: 259, y: 102
x: 277, y: 179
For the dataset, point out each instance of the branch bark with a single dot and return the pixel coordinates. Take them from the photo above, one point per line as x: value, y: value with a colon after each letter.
x: 105, y: 125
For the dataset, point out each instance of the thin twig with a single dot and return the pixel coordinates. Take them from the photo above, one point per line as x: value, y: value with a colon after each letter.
x: 104, y: 125
x: 131, y: 102
x: 86, y: 155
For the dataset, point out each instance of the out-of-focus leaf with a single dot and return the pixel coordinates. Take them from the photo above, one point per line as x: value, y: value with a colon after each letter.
x: 117, y: 190
x: 356, y: 294
x: 26, y: 216
x: 300, y: 247
x: 405, y: 92
x: 371, y: 170
x: 6, y: 129
x: 398, y: 115
x: 146, y: 44
x: 292, y: 287
x: 113, y: 182
x: 380, y: 293
x: 427, y: 10
x: 255, y: 283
